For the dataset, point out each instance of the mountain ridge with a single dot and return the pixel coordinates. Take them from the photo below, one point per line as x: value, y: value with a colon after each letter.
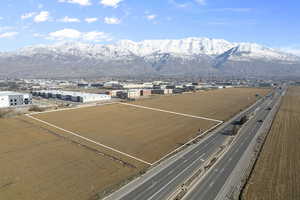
x: 154, y: 57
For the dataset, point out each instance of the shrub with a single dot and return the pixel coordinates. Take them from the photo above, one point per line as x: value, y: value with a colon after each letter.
x: 36, y: 108
x: 4, y: 112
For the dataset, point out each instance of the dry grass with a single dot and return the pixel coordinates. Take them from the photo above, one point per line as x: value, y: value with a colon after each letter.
x: 276, y: 175
x: 37, y: 164
x: 36, y: 108
x: 218, y: 104
x: 146, y: 134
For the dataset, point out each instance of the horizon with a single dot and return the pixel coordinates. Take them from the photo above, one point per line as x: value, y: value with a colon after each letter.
x: 33, y: 22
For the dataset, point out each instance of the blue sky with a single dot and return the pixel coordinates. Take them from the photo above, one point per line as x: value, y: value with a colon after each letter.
x: 273, y: 23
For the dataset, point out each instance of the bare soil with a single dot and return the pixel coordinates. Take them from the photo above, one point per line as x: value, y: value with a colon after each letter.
x: 219, y: 104
x: 37, y: 164
x: 276, y: 175
x: 145, y: 134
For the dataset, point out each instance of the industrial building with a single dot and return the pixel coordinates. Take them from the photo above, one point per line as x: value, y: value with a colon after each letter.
x: 11, y: 99
x: 72, y: 96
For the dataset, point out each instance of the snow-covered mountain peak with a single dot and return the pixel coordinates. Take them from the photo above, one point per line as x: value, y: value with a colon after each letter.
x: 186, y: 46
x: 246, y: 51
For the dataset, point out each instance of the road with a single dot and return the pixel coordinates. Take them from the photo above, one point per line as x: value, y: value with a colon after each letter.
x: 165, y: 178
x: 212, y: 183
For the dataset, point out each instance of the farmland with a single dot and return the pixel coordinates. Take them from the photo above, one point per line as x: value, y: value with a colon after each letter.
x: 37, y: 164
x: 145, y: 134
x: 276, y: 175
x: 216, y: 104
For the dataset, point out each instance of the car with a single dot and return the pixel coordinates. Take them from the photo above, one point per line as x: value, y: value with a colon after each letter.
x: 260, y: 121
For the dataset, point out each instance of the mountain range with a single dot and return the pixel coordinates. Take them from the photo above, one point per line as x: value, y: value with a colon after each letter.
x: 184, y: 57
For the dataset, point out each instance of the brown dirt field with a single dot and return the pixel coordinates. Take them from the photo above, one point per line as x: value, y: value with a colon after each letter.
x: 276, y: 175
x: 219, y: 104
x: 145, y: 134
x: 37, y: 164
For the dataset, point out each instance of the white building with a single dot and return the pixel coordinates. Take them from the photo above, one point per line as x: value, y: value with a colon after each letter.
x: 72, y: 96
x: 11, y: 99
x: 137, y: 86
x: 133, y: 93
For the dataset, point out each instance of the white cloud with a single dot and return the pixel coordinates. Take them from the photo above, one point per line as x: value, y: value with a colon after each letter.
x: 73, y: 34
x: 1, y: 18
x: 80, y: 2
x: 8, y: 34
x: 65, y: 34
x: 27, y: 15
x: 96, y: 36
x: 179, y: 5
x: 42, y: 17
x: 201, y: 2
x: 151, y: 17
x: 38, y: 35
x: 91, y: 19
x: 111, y: 3
x: 67, y: 19
x: 112, y: 20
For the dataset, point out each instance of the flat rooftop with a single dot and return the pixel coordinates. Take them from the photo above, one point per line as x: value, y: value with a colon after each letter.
x: 71, y: 93
x: 6, y: 93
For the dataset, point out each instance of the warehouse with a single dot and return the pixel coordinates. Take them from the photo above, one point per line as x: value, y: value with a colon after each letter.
x: 11, y: 99
x: 72, y: 96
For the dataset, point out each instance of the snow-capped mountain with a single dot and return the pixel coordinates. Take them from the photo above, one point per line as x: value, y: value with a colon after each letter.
x: 189, y: 56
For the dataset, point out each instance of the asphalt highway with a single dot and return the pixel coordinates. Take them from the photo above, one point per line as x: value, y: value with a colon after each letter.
x: 213, y: 182
x: 167, y: 178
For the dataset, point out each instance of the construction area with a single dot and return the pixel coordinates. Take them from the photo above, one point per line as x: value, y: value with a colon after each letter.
x: 76, y: 153
x: 276, y: 173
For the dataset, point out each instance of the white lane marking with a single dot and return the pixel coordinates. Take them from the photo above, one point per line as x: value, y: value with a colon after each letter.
x: 152, y: 185
x: 177, y: 149
x: 87, y: 139
x: 171, y: 112
x: 211, y: 184
x: 174, y: 178
x: 170, y: 172
x: 222, y: 170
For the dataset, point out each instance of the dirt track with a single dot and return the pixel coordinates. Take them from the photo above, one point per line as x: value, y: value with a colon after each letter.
x: 276, y: 175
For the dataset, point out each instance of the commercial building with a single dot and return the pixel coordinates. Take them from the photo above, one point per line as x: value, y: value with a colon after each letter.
x: 72, y: 96
x: 162, y: 91
x: 133, y: 94
x: 145, y: 92
x: 11, y: 99
x: 137, y: 86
